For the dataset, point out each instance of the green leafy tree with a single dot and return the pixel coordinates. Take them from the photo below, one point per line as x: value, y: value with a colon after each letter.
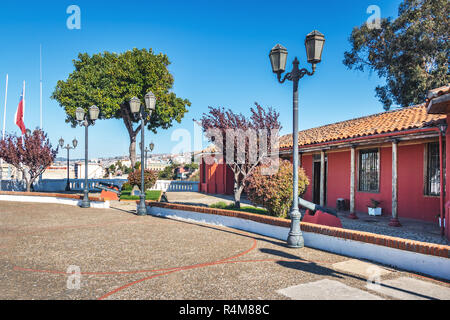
x: 274, y: 192
x: 410, y: 52
x: 168, y: 173
x: 110, y: 80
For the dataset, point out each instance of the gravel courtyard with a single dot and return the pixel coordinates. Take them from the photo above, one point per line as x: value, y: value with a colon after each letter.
x: 123, y: 256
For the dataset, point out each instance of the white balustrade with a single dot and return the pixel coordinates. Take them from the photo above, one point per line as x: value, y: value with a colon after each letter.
x: 58, y: 185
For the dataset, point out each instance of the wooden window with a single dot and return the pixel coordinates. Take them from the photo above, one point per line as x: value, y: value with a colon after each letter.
x: 433, y: 173
x: 369, y: 170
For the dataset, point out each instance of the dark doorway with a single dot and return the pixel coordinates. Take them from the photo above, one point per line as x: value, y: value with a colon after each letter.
x: 316, y: 183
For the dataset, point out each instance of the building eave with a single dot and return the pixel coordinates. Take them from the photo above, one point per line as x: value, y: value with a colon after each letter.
x: 412, y: 134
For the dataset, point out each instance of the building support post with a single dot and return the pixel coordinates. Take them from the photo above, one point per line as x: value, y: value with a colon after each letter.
x: 394, y: 221
x: 441, y: 182
x: 322, y: 178
x: 352, y: 214
x: 447, y: 182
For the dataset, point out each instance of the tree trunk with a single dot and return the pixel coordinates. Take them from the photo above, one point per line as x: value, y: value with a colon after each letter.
x: 237, y: 197
x: 127, y: 119
x: 132, y: 151
x: 238, y: 188
x: 28, y: 182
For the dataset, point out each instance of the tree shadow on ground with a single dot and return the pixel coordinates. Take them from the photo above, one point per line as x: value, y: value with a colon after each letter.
x: 314, y: 268
x: 302, y: 264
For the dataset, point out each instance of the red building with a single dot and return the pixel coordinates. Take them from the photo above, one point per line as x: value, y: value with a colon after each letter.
x: 393, y: 157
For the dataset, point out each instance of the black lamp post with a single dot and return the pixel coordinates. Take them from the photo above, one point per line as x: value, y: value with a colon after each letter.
x: 278, y: 55
x: 143, y: 111
x: 86, y: 120
x: 68, y: 148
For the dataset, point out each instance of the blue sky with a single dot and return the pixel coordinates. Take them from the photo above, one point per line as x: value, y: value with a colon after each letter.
x: 219, y: 53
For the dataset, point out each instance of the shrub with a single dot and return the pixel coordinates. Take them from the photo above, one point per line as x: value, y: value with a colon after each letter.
x: 150, y: 177
x: 275, y: 192
x: 127, y: 186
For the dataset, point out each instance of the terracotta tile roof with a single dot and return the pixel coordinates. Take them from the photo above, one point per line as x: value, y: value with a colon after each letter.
x: 210, y: 149
x: 392, y: 121
x: 438, y: 92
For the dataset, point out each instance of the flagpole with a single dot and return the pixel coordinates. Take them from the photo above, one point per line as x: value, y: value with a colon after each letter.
x: 23, y: 117
x: 3, y: 132
x: 40, y: 75
x: 4, y: 111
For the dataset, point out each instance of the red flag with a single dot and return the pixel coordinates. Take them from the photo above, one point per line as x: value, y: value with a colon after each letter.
x: 19, y: 117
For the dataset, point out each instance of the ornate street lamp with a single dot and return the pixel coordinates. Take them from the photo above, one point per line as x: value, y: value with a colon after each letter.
x: 151, y: 146
x: 68, y: 148
x: 86, y: 120
x: 278, y: 55
x: 142, y: 112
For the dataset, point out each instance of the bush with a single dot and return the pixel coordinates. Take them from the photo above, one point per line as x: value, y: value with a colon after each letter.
x: 275, y: 192
x: 150, y: 177
x: 127, y: 187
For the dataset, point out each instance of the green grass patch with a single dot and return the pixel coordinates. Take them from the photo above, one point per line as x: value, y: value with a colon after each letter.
x: 149, y: 195
x: 226, y: 206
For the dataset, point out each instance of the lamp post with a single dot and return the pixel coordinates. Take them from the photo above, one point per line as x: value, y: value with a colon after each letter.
x: 68, y: 148
x: 86, y: 120
x: 314, y: 45
x: 142, y: 111
x: 151, y: 146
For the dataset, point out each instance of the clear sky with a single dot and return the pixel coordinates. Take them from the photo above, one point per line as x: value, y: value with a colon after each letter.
x: 218, y: 49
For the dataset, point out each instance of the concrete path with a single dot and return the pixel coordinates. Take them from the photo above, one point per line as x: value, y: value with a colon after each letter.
x: 197, y: 198
x: 64, y: 252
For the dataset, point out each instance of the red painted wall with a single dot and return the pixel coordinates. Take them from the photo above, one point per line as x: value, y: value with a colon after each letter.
x: 411, y: 199
x: 338, y: 177
x: 412, y: 203
x: 219, y: 179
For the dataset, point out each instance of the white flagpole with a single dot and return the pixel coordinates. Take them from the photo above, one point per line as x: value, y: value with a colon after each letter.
x: 40, y: 75
x: 23, y: 102
x: 4, y: 111
x: 3, y: 132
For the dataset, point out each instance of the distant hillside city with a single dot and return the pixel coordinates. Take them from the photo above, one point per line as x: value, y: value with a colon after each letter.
x: 169, y: 167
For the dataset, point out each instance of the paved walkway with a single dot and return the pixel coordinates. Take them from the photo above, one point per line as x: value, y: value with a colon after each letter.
x: 197, y: 198
x: 123, y: 256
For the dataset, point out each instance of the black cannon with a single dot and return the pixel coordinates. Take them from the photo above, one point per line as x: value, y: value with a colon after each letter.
x: 314, y: 207
x: 109, y: 191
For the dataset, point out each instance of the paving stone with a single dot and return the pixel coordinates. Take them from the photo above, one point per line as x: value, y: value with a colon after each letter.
x: 406, y: 288
x: 361, y: 268
x: 326, y: 290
